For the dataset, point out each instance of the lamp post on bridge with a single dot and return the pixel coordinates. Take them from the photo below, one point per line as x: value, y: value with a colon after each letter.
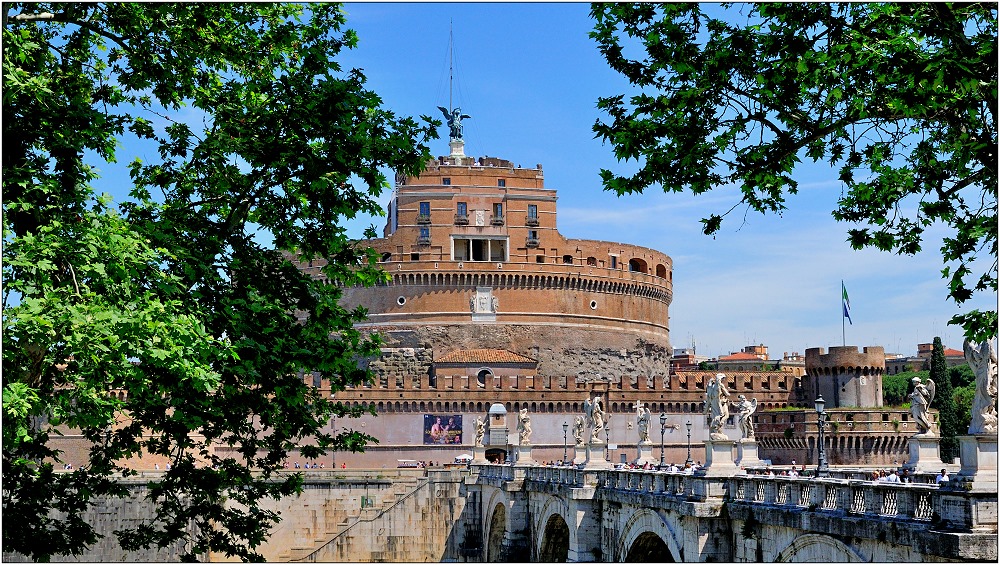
x: 689, y: 462
x: 565, y: 429
x: 822, y: 469
x: 663, y: 429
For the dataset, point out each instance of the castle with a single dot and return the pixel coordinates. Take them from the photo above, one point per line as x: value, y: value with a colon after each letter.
x: 488, y: 303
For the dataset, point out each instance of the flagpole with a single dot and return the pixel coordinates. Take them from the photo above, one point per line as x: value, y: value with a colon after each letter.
x: 843, y: 325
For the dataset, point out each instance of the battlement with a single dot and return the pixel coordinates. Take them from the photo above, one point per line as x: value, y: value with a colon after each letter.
x: 845, y: 359
x: 845, y: 377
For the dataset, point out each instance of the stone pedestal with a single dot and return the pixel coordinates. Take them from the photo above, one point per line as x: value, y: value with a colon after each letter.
x: 718, y: 459
x: 523, y: 457
x: 646, y: 454
x: 457, y: 148
x: 479, y: 454
x: 746, y: 453
x: 579, y: 454
x: 979, y: 463
x: 925, y: 454
x: 595, y: 457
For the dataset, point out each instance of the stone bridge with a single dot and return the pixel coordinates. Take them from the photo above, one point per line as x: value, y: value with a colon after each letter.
x: 569, y: 514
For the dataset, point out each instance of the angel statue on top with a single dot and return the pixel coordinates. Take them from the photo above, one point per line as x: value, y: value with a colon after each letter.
x: 920, y: 405
x: 454, y: 119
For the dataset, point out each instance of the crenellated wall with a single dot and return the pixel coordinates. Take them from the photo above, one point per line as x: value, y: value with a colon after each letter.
x: 845, y: 377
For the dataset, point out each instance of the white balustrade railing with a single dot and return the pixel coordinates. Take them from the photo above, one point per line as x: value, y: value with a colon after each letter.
x: 893, y: 500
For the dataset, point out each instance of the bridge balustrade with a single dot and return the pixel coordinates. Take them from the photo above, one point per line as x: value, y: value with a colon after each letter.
x: 903, y: 500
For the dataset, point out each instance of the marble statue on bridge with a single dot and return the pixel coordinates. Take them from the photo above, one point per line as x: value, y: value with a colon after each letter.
x: 480, y: 431
x: 983, y: 360
x: 717, y: 406
x: 524, y: 426
x: 920, y: 404
x: 642, y: 421
x: 594, y: 411
x: 578, y: 429
x: 744, y: 415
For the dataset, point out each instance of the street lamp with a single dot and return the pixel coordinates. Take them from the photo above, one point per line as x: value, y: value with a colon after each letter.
x: 663, y: 429
x: 822, y: 470
x: 607, y: 437
x: 565, y: 429
x: 689, y: 462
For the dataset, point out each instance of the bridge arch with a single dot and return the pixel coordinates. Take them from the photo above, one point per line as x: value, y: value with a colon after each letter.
x: 548, y: 536
x: 807, y: 547
x: 554, y: 546
x: 496, y: 528
x: 645, y: 521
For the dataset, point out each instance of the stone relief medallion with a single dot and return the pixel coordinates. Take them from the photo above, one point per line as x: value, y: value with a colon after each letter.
x: 480, y: 217
x: 483, y: 304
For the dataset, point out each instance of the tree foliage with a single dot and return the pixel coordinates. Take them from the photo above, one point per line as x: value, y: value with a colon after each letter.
x: 170, y: 324
x: 944, y: 401
x: 896, y: 388
x: 900, y: 98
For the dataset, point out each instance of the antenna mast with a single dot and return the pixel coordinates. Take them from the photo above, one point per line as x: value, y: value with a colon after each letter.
x: 451, y: 61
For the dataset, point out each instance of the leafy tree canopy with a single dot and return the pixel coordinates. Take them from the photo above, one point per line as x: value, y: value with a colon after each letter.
x: 164, y: 326
x: 900, y: 97
x: 896, y: 388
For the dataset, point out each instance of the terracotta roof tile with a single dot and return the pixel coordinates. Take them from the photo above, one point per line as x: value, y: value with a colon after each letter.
x: 484, y: 357
x: 740, y: 356
x: 953, y: 353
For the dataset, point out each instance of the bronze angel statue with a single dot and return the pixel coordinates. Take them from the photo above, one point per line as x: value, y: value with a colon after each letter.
x: 454, y: 120
x: 920, y: 405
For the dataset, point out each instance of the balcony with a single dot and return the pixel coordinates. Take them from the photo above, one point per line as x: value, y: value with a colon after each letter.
x: 461, y: 219
x: 425, y: 240
x: 423, y: 218
x: 496, y: 220
x: 531, y: 242
x: 531, y: 221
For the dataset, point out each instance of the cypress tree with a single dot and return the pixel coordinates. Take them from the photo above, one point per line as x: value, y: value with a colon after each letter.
x: 944, y: 401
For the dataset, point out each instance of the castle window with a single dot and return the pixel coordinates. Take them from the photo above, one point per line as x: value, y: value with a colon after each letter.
x: 414, y: 256
x: 463, y: 209
x: 614, y: 261
x: 386, y: 257
x: 446, y: 181
x: 539, y: 258
x: 501, y: 182
x: 592, y: 261
x: 568, y: 259
x: 532, y: 240
x: 425, y: 208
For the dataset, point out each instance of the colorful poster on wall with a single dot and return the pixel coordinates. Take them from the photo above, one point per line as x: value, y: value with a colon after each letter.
x: 442, y: 429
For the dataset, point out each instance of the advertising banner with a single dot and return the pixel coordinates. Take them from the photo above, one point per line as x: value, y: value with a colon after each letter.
x: 442, y: 429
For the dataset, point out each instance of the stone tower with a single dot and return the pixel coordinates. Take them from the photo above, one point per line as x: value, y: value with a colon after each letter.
x: 844, y: 377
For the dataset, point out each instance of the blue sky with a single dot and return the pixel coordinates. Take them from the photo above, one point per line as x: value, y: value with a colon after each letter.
x: 530, y: 77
